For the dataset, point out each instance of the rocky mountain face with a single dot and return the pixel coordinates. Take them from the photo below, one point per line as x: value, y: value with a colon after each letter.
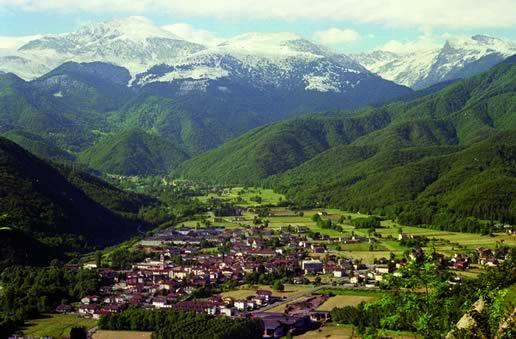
x: 456, y: 59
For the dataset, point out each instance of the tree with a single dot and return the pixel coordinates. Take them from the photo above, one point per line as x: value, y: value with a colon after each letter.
x: 78, y: 333
x: 98, y: 259
x: 278, y: 286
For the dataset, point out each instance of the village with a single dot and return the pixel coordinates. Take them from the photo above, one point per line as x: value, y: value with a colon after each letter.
x: 283, y: 275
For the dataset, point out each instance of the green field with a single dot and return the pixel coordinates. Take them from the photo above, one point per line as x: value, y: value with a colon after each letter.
x: 445, y: 242
x: 56, y: 325
x: 102, y: 334
x: 268, y: 196
x: 343, y: 300
x: 336, y: 331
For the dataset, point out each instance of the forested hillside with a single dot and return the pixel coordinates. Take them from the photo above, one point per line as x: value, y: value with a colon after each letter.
x: 451, y: 150
x: 133, y: 152
x: 414, y: 183
x: 46, y: 211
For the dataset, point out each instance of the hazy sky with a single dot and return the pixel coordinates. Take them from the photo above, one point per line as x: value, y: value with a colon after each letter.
x: 345, y: 25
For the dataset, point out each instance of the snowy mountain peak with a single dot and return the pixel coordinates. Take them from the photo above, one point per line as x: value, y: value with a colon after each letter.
x: 267, y: 44
x: 459, y: 57
x: 134, y: 28
x: 269, y: 38
x: 134, y: 43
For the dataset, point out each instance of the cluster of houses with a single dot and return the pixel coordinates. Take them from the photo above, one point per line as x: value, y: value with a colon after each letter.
x: 184, y: 261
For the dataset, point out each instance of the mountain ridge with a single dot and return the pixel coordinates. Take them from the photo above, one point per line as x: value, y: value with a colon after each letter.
x: 457, y: 58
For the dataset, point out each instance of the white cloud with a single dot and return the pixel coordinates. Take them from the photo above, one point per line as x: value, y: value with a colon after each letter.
x: 336, y: 36
x: 409, y: 46
x: 12, y: 43
x: 415, y: 13
x: 189, y: 33
x: 425, y: 41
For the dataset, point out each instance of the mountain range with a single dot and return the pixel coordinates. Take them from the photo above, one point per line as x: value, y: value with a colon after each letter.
x: 280, y: 59
x: 93, y: 85
x: 458, y: 58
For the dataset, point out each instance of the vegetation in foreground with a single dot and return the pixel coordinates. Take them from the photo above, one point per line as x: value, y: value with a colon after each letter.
x: 425, y: 302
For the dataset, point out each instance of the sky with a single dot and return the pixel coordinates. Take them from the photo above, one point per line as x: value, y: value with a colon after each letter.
x: 348, y: 26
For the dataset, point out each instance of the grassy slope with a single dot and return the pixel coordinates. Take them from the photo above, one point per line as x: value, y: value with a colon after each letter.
x: 56, y: 325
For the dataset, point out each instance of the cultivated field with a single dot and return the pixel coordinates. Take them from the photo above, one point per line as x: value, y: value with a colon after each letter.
x: 268, y: 196
x: 56, y: 325
x: 445, y: 242
x: 343, y: 300
x: 331, y: 331
x: 101, y: 334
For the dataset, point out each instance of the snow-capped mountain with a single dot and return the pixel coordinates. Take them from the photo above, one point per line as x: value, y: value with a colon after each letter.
x: 458, y: 58
x: 133, y: 42
x: 154, y: 55
x: 251, y: 79
x: 283, y: 60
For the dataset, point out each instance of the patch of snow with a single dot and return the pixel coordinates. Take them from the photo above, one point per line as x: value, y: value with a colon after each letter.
x: 58, y: 94
x: 321, y: 83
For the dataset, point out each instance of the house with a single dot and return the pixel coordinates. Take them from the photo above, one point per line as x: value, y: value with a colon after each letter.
x: 89, y: 299
x: 319, y: 316
x: 211, y: 310
x: 267, y: 295
x: 63, y: 308
x: 250, y: 305
x: 88, y: 309
x: 357, y: 279
x: 277, y: 325
x: 302, y: 229
x: 161, y: 302
x: 312, y: 266
x: 460, y: 264
x: 383, y: 269
x: 228, y: 300
x: 89, y: 266
x: 339, y: 273
x: 228, y: 311
x: 318, y: 248
x: 241, y: 305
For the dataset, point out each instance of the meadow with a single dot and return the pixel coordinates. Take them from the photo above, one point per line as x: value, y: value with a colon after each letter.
x: 56, y: 325
x: 445, y: 242
x: 103, y: 334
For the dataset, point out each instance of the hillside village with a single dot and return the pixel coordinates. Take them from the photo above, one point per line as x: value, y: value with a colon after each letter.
x: 195, y: 269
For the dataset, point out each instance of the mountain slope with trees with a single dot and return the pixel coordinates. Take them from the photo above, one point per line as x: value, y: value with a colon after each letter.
x: 133, y: 152
x: 463, y: 112
x: 58, y: 209
x: 432, y: 160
